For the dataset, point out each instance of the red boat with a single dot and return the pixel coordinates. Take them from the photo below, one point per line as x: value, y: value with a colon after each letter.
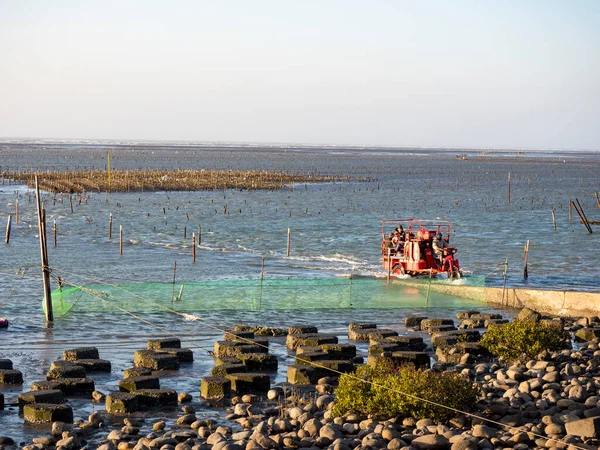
x: 418, y: 247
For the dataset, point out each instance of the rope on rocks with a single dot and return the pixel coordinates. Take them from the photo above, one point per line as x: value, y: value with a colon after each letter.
x: 316, y: 364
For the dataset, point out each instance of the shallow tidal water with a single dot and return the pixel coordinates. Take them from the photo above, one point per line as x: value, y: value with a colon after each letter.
x: 335, y: 235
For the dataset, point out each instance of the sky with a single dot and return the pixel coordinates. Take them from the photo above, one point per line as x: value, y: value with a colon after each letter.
x: 475, y: 74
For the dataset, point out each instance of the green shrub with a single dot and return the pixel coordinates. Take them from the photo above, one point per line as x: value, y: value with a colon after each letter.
x: 521, y: 340
x: 391, y: 392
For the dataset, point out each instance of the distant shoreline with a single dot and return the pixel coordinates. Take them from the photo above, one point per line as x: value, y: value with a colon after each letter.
x: 91, y: 144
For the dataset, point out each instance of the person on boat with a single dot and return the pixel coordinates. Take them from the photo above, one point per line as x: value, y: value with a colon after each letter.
x: 395, y: 240
x: 400, y: 229
x: 398, y: 240
x: 387, y: 243
x: 438, y: 244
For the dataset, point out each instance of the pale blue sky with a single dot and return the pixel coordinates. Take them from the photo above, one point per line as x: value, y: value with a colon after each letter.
x: 501, y: 74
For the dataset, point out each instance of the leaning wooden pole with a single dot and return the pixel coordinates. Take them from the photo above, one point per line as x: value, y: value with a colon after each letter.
x: 580, y: 216
x: 585, y: 220
x: 579, y: 211
x: 44, y: 256
x: 7, y: 238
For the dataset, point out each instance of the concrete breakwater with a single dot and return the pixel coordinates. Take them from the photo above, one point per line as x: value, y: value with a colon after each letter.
x: 556, y: 303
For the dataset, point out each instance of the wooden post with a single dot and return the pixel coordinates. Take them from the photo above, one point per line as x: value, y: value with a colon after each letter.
x: 44, y: 256
x: 7, y: 239
x: 108, y: 166
x: 54, y: 232
x: 44, y: 232
x: 597, y: 200
x: 199, y: 235
x: 174, y: 274
x: 110, y: 226
x: 289, y: 241
x: 525, y: 273
x: 185, y: 232
x: 262, y: 269
x: 120, y: 239
x: 570, y: 211
x: 553, y: 219
x: 17, y: 211
x: 71, y: 203
x: 509, y: 188
x: 193, y: 247
x: 389, y: 260
x: 504, y: 285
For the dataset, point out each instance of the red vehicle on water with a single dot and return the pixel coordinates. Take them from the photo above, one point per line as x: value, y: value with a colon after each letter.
x: 418, y: 247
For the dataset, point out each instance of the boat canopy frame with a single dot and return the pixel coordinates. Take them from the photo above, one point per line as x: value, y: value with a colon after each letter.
x: 414, y: 225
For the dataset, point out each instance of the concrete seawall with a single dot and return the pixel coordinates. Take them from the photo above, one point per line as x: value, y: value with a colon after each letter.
x: 557, y: 303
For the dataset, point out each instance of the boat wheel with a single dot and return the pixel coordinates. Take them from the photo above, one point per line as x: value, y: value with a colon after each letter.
x: 397, y: 269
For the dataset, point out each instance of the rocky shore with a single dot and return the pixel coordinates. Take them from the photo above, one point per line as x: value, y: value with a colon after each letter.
x: 551, y: 401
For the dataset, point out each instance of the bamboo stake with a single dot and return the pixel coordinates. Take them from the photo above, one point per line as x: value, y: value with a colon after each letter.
x: 54, y: 232
x: 553, y: 219
x: 17, y: 211
x: 389, y: 260
x: 193, y: 247
x: 7, y: 238
x: 289, y: 235
x: 199, y: 235
x: 509, y: 188
x: 71, y: 203
x: 45, y: 268
x: 570, y: 211
x: 174, y: 274
x: 525, y: 273
x: 120, y: 239
x: 597, y: 199
x: 110, y: 226
x: 185, y: 232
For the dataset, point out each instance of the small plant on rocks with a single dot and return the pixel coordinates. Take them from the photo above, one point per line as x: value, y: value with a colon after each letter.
x: 385, y: 391
x: 522, y: 340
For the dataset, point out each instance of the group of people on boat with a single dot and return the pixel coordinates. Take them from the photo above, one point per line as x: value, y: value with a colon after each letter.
x: 398, y: 238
